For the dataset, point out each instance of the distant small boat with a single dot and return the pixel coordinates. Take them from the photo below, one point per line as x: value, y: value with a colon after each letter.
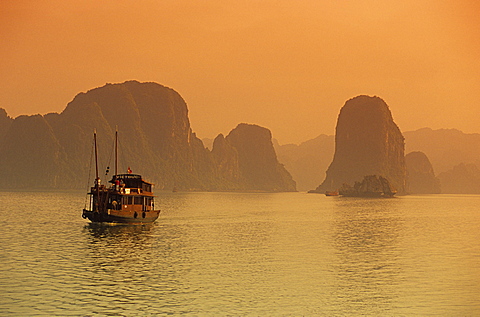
x: 129, y: 199
x: 331, y: 193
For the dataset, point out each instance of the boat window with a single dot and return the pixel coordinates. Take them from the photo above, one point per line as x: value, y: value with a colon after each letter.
x: 147, y: 187
x: 128, y: 200
x: 138, y: 200
x: 148, y: 201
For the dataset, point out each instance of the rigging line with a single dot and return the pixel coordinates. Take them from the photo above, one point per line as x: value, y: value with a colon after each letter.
x: 110, y: 158
x: 99, y: 158
x: 121, y: 150
x: 89, y: 172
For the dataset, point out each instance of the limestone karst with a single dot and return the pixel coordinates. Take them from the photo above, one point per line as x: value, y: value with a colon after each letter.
x: 461, y: 179
x: 5, y: 122
x: 258, y: 166
x: 156, y: 140
x: 421, y: 178
x: 367, y: 142
x: 445, y: 148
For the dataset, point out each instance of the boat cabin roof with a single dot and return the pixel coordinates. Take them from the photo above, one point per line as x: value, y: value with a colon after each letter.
x: 130, y: 180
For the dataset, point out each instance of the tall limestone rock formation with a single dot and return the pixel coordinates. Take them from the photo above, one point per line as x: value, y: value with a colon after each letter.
x: 154, y: 132
x: 31, y: 155
x: 248, y: 159
x: 5, y: 122
x: 367, y: 142
x: 420, y: 175
x: 226, y: 158
x: 155, y: 140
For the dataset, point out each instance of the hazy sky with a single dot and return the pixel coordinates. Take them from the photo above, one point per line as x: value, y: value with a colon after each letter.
x: 286, y: 65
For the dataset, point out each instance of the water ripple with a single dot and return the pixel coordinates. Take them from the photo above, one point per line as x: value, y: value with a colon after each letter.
x: 242, y: 254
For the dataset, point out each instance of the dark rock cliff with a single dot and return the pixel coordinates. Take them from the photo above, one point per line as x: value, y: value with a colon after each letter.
x: 445, y: 149
x: 257, y: 161
x: 226, y: 159
x: 155, y: 140
x: 31, y: 156
x: 367, y: 142
x: 420, y: 175
x: 5, y: 122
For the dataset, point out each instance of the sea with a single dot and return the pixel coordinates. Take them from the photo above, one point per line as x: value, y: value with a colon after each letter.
x: 242, y: 254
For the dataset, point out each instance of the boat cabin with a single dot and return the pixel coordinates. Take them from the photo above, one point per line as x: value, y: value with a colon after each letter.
x: 128, y: 192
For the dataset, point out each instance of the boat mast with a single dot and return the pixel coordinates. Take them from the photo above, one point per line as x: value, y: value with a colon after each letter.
x: 116, y: 151
x: 97, y: 179
x: 96, y: 155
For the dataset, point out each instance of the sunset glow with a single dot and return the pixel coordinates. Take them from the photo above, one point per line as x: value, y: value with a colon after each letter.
x: 285, y: 65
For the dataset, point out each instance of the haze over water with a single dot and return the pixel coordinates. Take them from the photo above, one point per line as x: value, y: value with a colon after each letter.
x: 243, y: 254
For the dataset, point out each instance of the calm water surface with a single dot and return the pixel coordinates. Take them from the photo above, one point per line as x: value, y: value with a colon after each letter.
x: 243, y: 254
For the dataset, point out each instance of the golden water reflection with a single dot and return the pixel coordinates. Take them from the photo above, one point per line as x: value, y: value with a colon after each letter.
x: 287, y: 254
x: 366, y: 240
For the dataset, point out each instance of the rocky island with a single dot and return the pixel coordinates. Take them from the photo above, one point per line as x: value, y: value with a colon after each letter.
x: 370, y: 186
x: 54, y: 150
x: 367, y: 142
x: 421, y: 178
x: 247, y: 157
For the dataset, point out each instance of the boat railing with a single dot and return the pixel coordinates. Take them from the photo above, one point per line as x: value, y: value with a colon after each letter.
x: 120, y: 189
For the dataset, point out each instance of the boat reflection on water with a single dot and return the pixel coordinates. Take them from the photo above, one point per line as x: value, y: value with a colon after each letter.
x: 115, y: 253
x: 105, y: 230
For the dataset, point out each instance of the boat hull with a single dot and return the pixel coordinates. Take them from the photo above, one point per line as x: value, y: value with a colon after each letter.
x: 330, y: 193
x: 115, y: 216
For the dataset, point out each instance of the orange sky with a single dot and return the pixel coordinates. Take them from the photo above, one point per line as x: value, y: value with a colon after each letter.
x: 286, y: 65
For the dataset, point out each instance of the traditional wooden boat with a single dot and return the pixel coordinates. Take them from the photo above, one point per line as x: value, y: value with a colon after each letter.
x: 128, y: 198
x: 331, y: 193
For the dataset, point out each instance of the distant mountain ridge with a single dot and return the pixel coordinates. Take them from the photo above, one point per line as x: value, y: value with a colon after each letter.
x: 156, y: 140
x: 455, y: 157
x: 308, y: 161
x: 461, y: 179
x: 446, y: 149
